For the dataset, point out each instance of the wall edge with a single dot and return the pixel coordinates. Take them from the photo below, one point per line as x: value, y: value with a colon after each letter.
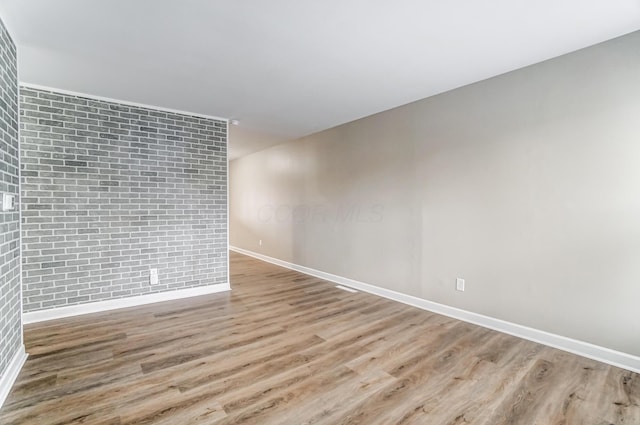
x: 123, y: 102
x: 11, y: 374
x: 101, y: 306
x: 580, y: 348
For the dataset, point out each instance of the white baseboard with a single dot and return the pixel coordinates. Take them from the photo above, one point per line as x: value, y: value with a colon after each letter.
x: 11, y: 374
x: 581, y: 348
x: 76, y: 310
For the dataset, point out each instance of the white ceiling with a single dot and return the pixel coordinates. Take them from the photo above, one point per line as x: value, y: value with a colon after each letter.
x: 243, y: 141
x: 294, y: 67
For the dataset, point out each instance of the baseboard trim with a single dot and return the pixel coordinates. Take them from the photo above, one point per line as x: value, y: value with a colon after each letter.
x: 11, y: 374
x: 76, y: 310
x: 581, y: 348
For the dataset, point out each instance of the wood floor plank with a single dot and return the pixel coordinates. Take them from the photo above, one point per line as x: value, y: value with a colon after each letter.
x: 286, y: 348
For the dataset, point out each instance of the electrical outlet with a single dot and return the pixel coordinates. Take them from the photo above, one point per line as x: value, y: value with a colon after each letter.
x: 460, y: 284
x: 260, y: 242
x: 8, y: 202
x: 153, y: 276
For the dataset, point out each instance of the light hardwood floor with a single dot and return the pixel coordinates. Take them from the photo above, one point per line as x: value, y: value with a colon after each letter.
x: 285, y: 348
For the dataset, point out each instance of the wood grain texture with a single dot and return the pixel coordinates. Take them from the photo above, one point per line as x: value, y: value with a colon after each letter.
x: 286, y: 348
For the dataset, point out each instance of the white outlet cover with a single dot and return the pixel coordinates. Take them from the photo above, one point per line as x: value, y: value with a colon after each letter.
x: 153, y: 276
x: 8, y: 202
x: 460, y: 284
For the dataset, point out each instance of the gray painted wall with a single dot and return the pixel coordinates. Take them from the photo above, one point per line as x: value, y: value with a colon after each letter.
x: 527, y: 185
x: 111, y: 191
x: 10, y: 312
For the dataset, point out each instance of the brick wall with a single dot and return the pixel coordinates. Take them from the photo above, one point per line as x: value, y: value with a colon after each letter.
x: 10, y: 314
x: 111, y: 191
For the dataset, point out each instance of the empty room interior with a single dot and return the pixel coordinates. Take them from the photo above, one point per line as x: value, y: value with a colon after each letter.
x: 320, y: 212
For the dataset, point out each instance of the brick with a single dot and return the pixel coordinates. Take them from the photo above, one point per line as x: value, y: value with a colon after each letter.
x: 114, y: 191
x: 10, y: 279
